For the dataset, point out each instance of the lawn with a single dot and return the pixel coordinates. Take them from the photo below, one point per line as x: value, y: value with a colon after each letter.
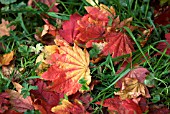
x: 84, y: 56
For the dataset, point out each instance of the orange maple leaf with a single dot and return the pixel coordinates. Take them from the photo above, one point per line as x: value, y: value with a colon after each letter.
x: 70, y: 65
x: 6, y: 58
x: 132, y: 88
x: 69, y: 108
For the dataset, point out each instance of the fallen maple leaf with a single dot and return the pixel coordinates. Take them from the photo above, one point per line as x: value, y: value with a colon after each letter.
x: 6, y: 58
x: 117, y: 106
x: 44, y: 100
x: 118, y: 44
x: 90, y: 30
x: 4, y: 30
x: 69, y: 31
x: 92, y: 26
x: 70, y: 65
x: 17, y: 101
x: 132, y: 88
x: 69, y: 108
x: 162, y: 45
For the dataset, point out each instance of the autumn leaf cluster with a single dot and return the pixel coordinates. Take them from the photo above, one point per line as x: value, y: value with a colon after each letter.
x: 65, y: 70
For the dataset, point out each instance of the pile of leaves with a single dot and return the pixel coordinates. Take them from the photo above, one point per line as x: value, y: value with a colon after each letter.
x: 98, y: 60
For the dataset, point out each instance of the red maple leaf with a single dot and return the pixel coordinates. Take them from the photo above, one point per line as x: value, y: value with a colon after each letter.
x: 118, y: 44
x: 4, y: 102
x: 162, y: 45
x: 90, y: 30
x: 119, y: 106
x: 44, y: 100
x: 69, y: 30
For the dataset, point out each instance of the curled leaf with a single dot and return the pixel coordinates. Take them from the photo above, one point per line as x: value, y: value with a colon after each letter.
x: 132, y: 88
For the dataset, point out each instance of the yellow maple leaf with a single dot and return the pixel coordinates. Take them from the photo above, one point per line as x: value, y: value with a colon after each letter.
x: 71, y: 65
x: 132, y: 88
